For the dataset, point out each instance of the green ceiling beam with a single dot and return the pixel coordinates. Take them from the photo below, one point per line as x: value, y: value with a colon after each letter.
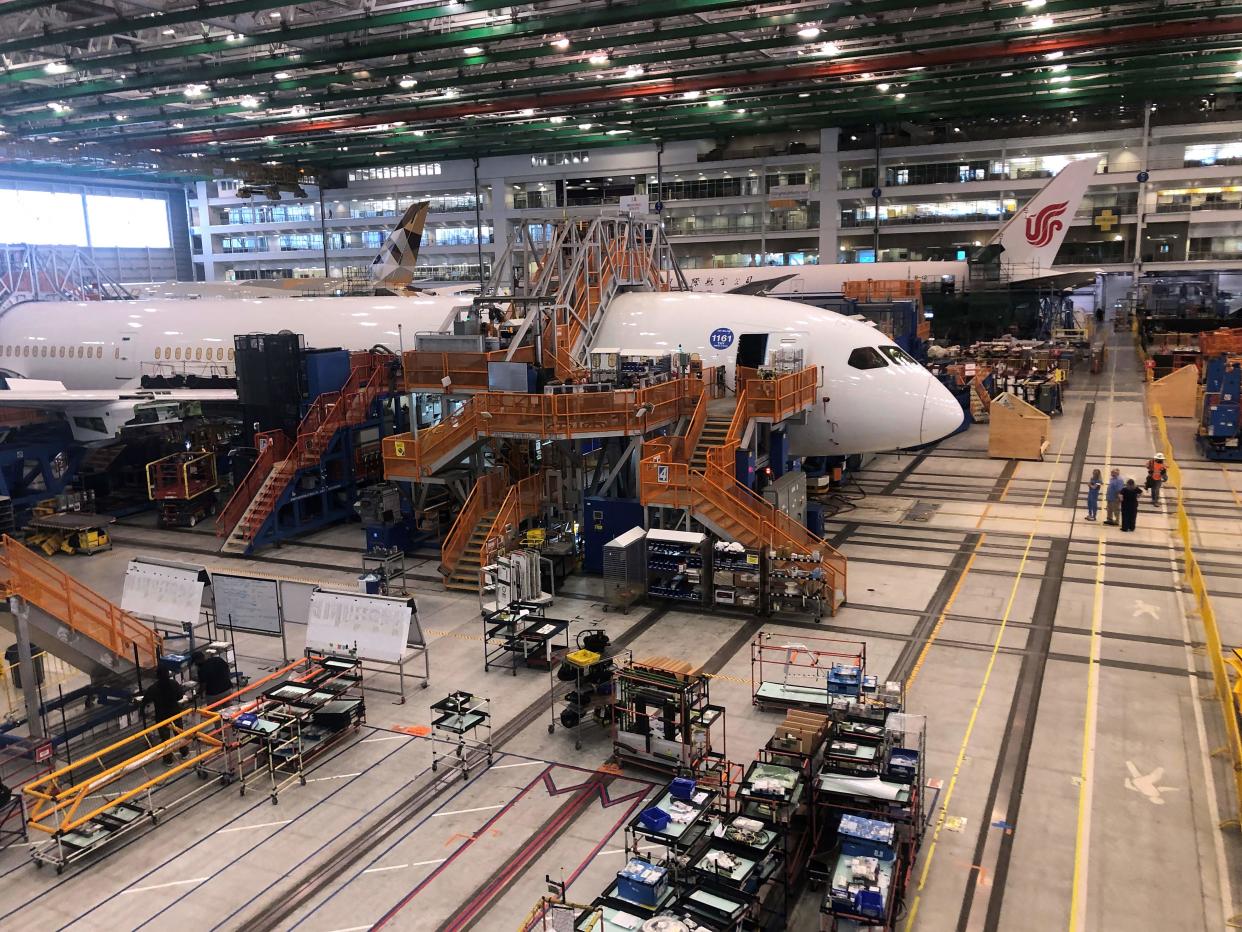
x: 204, y: 11
x: 392, y: 71
x: 564, y: 22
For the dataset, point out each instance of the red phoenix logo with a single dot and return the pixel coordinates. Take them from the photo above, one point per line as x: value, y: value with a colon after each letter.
x: 1041, y: 227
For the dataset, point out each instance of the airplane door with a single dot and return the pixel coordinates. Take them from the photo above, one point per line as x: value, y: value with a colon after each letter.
x: 126, y: 366
x: 752, y: 350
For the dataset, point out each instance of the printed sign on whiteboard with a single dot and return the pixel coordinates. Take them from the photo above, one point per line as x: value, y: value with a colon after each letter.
x: 375, y: 627
x: 162, y: 592
x: 635, y: 203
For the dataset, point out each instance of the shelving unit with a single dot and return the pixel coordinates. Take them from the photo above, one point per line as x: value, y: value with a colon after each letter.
x: 520, y: 634
x: 807, y: 672
x: 685, y: 834
x: 590, y: 672
x: 662, y: 716
x: 796, y: 584
x: 885, y: 791
x: 678, y: 566
x: 465, y: 721
x: 738, y: 576
x: 777, y: 795
x: 298, y: 720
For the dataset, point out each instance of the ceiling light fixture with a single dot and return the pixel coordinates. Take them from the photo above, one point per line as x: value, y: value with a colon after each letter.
x: 741, y: 111
x: 170, y: 32
x: 1006, y: 74
x: 235, y: 37
x: 598, y: 58
x: 692, y: 95
x: 250, y: 103
x: 808, y: 31
x: 804, y: 95
x: 1035, y: 4
x: 1041, y: 22
x: 57, y: 107
x: 195, y: 90
x: 178, y: 126
x: 120, y: 117
x: 472, y: 50
x: 560, y: 42
x: 900, y: 96
x: 634, y: 71
x: 715, y: 103
x: 529, y: 111
x: 830, y: 48
x: 883, y: 88
x: 1053, y: 56
x: 407, y: 82
x: 281, y: 75
x: 1059, y: 68
x: 56, y: 67
x: 558, y: 119
x: 585, y: 126
x: 420, y: 132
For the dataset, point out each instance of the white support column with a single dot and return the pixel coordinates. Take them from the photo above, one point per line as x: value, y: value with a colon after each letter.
x: 25, y: 660
x: 829, y: 187
x: 499, y: 214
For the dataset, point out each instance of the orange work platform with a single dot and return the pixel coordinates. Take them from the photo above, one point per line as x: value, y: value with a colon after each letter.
x: 538, y: 417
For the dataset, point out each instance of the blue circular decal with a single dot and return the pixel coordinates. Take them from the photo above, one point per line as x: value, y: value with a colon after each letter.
x: 721, y: 338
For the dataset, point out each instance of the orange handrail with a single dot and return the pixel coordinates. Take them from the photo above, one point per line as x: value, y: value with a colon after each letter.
x: 273, y: 446
x: 773, y: 400
x: 524, y: 500
x: 485, y: 495
x: 677, y: 485
x: 540, y: 417
x: 56, y: 807
x: 49, y: 588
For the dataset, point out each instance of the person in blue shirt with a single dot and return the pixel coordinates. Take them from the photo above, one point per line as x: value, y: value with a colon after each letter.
x: 1093, y: 495
x: 1112, y: 496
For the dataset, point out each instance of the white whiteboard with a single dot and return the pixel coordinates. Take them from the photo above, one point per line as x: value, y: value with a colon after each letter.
x: 246, y: 603
x: 377, y: 627
x: 295, y: 597
x: 162, y: 592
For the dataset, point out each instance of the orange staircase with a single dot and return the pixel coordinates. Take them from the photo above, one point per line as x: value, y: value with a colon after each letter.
x: 71, y: 620
x: 487, y: 523
x: 703, y: 481
x: 255, y: 499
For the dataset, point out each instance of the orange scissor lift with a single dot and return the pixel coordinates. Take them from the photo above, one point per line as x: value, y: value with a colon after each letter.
x: 562, y: 305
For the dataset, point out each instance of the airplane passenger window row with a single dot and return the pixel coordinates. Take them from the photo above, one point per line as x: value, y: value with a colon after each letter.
x: 195, y: 353
x: 43, y: 351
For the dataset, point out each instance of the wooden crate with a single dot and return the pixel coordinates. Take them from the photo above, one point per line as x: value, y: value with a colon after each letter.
x: 1017, y: 430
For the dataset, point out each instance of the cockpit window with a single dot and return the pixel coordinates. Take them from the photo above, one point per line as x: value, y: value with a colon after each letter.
x: 898, y: 355
x: 867, y: 357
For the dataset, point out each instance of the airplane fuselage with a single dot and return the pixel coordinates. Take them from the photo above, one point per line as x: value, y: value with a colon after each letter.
x: 880, y: 400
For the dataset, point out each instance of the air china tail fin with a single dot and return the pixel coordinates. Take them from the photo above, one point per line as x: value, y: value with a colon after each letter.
x: 395, y: 263
x: 1031, y: 238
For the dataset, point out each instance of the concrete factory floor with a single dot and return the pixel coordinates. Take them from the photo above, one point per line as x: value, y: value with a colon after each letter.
x: 1060, y: 784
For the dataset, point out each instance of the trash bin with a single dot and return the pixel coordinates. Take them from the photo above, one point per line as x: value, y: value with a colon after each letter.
x: 13, y: 659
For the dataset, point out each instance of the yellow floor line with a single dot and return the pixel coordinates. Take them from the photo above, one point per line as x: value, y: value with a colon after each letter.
x: 1086, y: 772
x: 974, y: 714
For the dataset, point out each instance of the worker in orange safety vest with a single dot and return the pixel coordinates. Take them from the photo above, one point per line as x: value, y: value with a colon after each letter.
x: 1157, y: 475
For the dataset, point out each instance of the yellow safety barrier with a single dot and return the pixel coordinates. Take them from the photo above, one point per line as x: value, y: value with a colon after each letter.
x: 57, y: 799
x: 1225, y: 691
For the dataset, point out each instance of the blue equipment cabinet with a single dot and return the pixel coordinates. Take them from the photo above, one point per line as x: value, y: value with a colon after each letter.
x: 604, y: 519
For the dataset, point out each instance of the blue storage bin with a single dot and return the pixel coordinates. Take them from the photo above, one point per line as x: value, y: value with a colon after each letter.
x: 642, y: 883
x: 681, y: 788
x: 654, y: 819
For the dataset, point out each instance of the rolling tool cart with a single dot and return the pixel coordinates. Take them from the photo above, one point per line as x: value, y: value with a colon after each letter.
x: 466, y: 720
x: 589, y: 669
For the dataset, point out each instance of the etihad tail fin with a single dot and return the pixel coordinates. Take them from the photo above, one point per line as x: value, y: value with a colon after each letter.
x: 394, y: 266
x: 1031, y: 238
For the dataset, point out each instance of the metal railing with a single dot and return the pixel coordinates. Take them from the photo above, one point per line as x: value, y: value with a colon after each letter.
x: 273, y: 446
x: 523, y: 501
x: 488, y: 493
x: 538, y: 417
x: 42, y: 584
x: 62, y: 800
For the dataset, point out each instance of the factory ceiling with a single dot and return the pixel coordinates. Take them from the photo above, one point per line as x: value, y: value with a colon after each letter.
x: 341, y: 83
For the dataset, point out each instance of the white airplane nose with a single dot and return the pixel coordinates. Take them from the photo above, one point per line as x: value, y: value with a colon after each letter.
x: 942, y: 415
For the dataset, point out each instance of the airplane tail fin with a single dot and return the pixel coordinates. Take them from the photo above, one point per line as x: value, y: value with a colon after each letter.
x: 1033, y: 235
x: 395, y: 263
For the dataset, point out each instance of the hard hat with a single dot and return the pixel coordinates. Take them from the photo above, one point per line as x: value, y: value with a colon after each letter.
x: 1159, y: 456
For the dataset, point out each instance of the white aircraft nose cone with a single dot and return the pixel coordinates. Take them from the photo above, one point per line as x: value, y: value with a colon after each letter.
x: 942, y: 415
